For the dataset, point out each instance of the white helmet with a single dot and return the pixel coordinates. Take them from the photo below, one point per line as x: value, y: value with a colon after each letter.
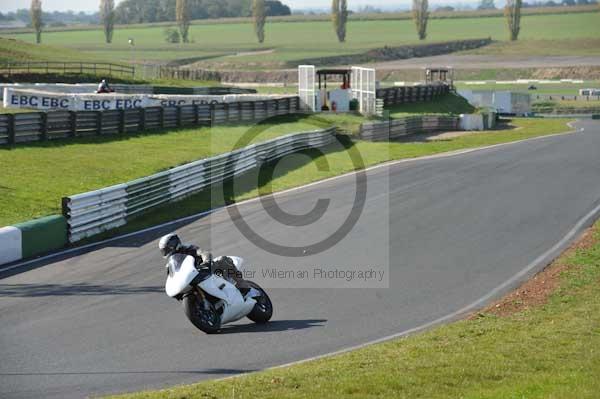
x: 169, y: 244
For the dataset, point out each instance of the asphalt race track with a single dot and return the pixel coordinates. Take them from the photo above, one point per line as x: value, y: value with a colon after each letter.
x: 459, y: 227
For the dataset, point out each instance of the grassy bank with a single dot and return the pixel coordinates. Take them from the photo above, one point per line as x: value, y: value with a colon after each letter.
x: 42, y: 173
x: 542, y: 348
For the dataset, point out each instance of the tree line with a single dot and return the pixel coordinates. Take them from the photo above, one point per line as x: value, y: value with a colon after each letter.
x: 183, y: 11
x: 143, y: 11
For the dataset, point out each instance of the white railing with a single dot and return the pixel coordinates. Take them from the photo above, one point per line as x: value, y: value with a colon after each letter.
x: 94, y: 212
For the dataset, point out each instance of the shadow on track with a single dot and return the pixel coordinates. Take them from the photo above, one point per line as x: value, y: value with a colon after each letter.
x: 82, y: 289
x: 274, y: 326
x: 83, y: 373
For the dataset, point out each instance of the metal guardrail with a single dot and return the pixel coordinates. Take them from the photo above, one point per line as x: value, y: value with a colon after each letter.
x: 395, y: 128
x: 81, y: 68
x: 42, y: 126
x: 94, y: 212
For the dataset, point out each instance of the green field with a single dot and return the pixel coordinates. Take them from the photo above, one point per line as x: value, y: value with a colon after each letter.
x: 218, y: 44
x: 571, y: 89
x: 548, y: 351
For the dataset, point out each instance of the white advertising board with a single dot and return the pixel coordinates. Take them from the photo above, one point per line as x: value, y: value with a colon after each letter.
x: 43, y: 100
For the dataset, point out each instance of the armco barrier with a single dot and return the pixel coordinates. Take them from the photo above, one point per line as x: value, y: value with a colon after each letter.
x: 94, y: 212
x: 26, y: 240
x: 395, y: 128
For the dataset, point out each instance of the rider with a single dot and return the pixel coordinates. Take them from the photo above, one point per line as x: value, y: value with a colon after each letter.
x: 171, y: 245
x: 103, y: 87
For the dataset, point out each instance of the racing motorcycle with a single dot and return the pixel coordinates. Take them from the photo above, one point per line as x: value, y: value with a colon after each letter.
x: 211, y: 300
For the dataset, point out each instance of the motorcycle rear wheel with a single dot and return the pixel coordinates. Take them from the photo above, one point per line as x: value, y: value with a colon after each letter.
x: 263, y: 310
x: 202, y: 314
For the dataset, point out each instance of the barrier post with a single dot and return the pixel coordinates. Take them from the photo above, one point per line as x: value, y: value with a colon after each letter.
x: 11, y: 128
x: 99, y: 122
x: 122, y: 121
x: 178, y: 117
x: 44, y: 126
x: 196, y: 118
x: 72, y: 123
x: 142, y: 116
x: 212, y: 115
x: 161, y: 118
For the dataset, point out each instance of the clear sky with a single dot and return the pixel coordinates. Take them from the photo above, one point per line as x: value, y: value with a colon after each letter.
x: 92, y: 5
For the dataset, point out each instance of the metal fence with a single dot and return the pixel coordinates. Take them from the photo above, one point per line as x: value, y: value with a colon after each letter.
x: 412, y: 94
x: 42, y: 126
x: 94, y: 212
x: 395, y: 128
x: 81, y: 68
x: 563, y: 97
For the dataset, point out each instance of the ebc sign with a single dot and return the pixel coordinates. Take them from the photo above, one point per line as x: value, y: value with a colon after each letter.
x: 105, y: 105
x: 36, y: 101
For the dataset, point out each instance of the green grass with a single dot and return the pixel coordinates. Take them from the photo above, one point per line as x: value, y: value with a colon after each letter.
x: 302, y: 169
x: 18, y: 51
x: 550, y: 351
x: 567, y: 107
x: 571, y: 89
x: 299, y: 40
x: 42, y: 173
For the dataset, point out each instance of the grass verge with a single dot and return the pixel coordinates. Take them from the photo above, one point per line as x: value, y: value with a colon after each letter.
x: 42, y: 173
x: 545, y: 351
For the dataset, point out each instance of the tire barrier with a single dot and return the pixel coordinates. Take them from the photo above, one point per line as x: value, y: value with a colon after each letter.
x: 29, y: 239
x: 94, y: 212
x: 42, y: 126
x: 412, y: 94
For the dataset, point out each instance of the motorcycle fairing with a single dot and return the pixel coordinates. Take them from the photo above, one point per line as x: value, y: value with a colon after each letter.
x: 182, y: 271
x: 236, y: 306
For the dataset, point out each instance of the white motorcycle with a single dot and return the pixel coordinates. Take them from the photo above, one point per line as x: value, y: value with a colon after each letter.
x: 210, y: 300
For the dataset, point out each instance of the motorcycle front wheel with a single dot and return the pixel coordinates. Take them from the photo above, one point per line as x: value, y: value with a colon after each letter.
x: 201, y: 313
x: 263, y: 310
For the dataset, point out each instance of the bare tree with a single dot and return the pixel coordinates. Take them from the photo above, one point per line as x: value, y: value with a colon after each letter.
x: 421, y: 16
x: 36, y: 19
x: 512, y: 11
x: 182, y: 14
x: 259, y: 12
x: 107, y: 14
x: 339, y: 16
